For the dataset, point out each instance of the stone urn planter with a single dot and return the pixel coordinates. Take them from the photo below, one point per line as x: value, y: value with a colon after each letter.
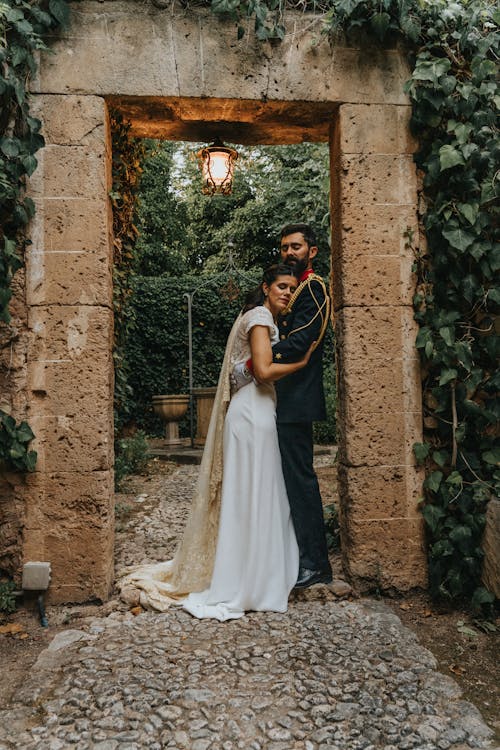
x: 171, y: 409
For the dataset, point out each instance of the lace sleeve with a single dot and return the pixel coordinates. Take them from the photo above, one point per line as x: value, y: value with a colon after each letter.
x: 259, y: 316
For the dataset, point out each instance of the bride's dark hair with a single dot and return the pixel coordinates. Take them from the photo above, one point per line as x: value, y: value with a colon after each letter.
x: 256, y: 296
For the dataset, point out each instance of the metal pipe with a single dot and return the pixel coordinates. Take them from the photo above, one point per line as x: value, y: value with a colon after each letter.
x: 189, y: 297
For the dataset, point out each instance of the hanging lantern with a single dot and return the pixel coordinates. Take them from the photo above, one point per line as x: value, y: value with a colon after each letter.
x: 217, y: 166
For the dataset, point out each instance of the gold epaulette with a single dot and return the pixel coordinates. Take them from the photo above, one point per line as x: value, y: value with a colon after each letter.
x: 323, y: 307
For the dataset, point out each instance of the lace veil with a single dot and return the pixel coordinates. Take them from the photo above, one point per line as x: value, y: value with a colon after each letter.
x: 161, y: 584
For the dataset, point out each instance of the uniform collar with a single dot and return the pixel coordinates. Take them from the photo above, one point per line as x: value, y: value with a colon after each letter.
x: 306, y: 274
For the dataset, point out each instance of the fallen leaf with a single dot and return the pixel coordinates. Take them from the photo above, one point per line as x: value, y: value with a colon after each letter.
x: 22, y: 636
x: 11, y: 627
x: 405, y: 606
x: 137, y: 610
x: 457, y: 670
x: 427, y: 613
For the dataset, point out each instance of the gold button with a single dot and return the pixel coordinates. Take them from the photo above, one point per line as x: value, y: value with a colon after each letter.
x: 283, y: 338
x: 278, y: 356
x: 285, y: 322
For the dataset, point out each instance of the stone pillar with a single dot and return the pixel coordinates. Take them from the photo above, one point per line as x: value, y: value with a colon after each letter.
x: 69, y: 501
x: 374, y: 198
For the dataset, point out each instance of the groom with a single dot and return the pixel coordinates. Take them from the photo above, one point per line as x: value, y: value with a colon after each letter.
x: 301, y: 400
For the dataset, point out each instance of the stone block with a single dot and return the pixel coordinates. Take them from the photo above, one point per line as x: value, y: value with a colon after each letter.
x: 376, y: 179
x: 303, y: 67
x: 371, y: 439
x: 76, y: 443
x: 81, y: 224
x: 491, y: 548
x: 376, y: 230
x: 386, y: 554
x: 374, y: 333
x: 71, y: 120
x: 65, y: 333
x: 372, y: 386
x: 379, y: 492
x: 71, y: 499
x: 375, y: 128
x: 70, y: 172
x: 82, y: 563
x: 69, y: 277
x: 372, y: 280
x: 214, y: 63
x: 80, y: 387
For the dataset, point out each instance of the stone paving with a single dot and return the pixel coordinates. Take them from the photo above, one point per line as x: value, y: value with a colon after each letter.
x: 330, y: 674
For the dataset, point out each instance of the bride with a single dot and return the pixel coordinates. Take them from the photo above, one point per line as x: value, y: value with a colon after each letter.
x: 239, y: 550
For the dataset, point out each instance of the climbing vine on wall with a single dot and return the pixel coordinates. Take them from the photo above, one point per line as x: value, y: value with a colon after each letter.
x: 128, y: 154
x: 22, y: 27
x: 453, y: 48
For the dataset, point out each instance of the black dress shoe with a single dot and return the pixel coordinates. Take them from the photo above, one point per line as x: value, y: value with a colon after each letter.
x: 310, y: 577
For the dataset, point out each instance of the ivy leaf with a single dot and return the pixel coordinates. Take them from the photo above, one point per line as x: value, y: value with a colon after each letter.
x: 440, y: 457
x: 10, y: 146
x: 459, y: 238
x: 421, y: 451
x: 492, y: 456
x: 431, y: 70
x: 433, y: 481
x: 448, y: 335
x: 380, y: 23
x: 449, y: 157
x: 433, y: 514
x: 469, y: 211
x: 447, y: 375
x: 24, y: 433
x: 60, y: 11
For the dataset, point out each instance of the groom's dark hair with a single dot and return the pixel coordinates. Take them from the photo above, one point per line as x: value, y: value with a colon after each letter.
x: 305, y: 229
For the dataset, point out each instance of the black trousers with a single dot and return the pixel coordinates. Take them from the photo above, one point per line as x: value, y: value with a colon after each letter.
x: 296, y: 447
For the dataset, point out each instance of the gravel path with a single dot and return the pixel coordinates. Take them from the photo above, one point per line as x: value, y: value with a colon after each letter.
x: 330, y: 674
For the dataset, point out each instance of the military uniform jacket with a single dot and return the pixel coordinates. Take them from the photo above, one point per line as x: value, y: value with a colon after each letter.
x: 300, y: 395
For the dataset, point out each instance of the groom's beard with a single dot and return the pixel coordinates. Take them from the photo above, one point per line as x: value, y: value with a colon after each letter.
x: 298, y: 266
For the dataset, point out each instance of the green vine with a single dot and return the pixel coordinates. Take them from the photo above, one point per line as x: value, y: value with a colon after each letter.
x: 128, y: 155
x: 22, y: 27
x: 453, y: 50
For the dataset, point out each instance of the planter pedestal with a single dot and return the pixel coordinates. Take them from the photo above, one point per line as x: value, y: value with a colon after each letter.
x: 171, y: 409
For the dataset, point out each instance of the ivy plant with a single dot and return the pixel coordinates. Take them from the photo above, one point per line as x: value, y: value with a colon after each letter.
x: 22, y: 28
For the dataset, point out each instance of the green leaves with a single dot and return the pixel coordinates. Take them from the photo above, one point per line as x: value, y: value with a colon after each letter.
x: 14, y: 440
x: 449, y: 157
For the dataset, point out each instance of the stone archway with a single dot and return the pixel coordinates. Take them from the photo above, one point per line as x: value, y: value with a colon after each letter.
x: 182, y: 67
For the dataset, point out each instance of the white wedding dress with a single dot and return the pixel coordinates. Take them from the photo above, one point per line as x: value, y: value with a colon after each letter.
x: 238, y: 551
x: 257, y: 558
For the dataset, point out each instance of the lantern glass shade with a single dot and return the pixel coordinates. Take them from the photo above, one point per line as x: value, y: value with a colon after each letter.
x: 217, y: 166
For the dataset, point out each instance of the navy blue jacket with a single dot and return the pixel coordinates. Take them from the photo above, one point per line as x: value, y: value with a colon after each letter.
x: 300, y: 396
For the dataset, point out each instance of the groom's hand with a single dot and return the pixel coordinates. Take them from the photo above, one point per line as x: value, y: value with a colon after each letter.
x: 240, y: 377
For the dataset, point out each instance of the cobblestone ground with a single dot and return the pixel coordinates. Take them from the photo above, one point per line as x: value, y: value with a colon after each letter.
x: 330, y: 674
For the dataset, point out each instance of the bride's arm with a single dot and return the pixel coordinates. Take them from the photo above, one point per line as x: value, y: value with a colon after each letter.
x: 265, y: 370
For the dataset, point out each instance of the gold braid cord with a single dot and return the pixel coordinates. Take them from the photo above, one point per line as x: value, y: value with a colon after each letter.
x: 162, y: 584
x: 323, y: 308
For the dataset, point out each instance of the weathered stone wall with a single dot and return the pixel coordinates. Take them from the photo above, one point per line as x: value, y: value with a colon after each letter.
x: 374, y: 196
x: 69, y: 518
x: 184, y: 72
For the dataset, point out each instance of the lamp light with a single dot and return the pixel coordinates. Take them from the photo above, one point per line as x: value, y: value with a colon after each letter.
x: 217, y: 167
